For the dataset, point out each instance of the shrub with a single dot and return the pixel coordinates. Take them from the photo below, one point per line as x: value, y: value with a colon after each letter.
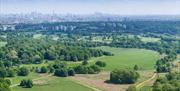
x: 23, y: 71
x: 100, y: 64
x: 87, y: 69
x: 96, y: 68
x: 4, y: 85
x: 26, y: 83
x: 61, y: 72
x: 85, y: 62
x: 123, y: 76
x: 11, y: 73
x: 43, y: 69
x: 71, y: 72
x: 136, y: 67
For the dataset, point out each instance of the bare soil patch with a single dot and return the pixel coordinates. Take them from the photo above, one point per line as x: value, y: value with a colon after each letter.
x: 98, y: 81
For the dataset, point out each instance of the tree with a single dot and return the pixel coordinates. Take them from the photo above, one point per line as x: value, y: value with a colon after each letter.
x: 26, y: 83
x: 11, y: 73
x: 96, y: 68
x: 23, y: 71
x: 85, y: 62
x: 61, y: 72
x: 123, y: 76
x: 3, y: 73
x: 43, y: 69
x: 71, y: 72
x: 136, y: 67
x: 4, y: 85
x: 100, y: 64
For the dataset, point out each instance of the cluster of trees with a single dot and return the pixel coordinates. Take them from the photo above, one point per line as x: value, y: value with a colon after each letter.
x: 124, y: 76
x: 62, y: 70
x: 168, y: 83
x: 86, y: 69
x: 26, y: 83
x: 21, y: 48
x: 165, y: 64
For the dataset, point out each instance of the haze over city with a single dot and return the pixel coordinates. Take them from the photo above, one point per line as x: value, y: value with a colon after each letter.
x: 119, y: 7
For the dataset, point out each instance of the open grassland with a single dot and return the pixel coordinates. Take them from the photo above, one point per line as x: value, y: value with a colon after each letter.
x: 55, y: 84
x: 127, y: 58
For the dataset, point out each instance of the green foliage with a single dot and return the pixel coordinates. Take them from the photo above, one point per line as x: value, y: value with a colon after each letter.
x: 136, y: 67
x: 43, y: 69
x: 169, y: 83
x: 124, y: 76
x: 11, y: 73
x: 3, y: 73
x: 63, y: 72
x: 4, y: 85
x: 23, y: 71
x: 26, y: 83
x: 71, y: 72
x: 100, y: 63
x: 84, y: 69
x: 85, y: 62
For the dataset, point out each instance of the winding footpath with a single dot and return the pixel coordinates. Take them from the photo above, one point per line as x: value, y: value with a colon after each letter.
x: 146, y: 81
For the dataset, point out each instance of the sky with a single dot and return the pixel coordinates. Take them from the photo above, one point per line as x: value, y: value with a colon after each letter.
x: 120, y: 7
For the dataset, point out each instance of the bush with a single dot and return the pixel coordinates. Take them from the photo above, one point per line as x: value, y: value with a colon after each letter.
x: 81, y: 69
x: 3, y: 73
x: 87, y: 69
x: 61, y: 72
x: 123, y: 76
x: 71, y: 72
x: 11, y: 73
x: 43, y: 69
x: 26, y: 83
x: 23, y: 71
x: 85, y: 62
x: 96, y: 68
x: 4, y: 85
x: 136, y: 67
x: 100, y: 64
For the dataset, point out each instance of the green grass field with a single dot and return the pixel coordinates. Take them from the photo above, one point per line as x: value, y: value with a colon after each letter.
x: 55, y: 84
x: 127, y: 58
x: 17, y: 79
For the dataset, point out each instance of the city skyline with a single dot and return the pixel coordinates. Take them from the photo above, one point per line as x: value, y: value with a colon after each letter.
x: 118, y: 7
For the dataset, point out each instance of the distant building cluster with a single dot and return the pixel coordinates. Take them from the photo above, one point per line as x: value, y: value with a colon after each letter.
x: 6, y: 27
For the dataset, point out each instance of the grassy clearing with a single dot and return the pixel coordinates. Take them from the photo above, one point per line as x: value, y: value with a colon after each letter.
x: 37, y: 36
x: 17, y: 79
x: 149, y: 39
x: 2, y: 44
x: 127, y: 58
x: 55, y: 84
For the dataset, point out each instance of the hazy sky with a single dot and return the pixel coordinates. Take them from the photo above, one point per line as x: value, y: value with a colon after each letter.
x: 121, y: 7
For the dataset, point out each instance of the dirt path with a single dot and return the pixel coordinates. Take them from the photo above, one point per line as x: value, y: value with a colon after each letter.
x: 146, y: 81
x: 14, y: 85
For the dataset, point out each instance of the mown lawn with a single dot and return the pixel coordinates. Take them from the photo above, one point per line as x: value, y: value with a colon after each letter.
x: 127, y: 58
x: 55, y: 84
